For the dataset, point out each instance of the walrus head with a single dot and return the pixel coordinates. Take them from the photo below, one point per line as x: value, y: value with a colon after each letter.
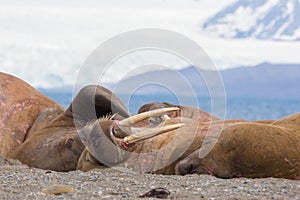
x: 110, y: 140
x: 107, y: 129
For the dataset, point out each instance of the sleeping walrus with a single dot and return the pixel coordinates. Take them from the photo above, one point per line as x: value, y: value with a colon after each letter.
x: 244, y: 149
x: 251, y: 150
x: 19, y: 106
x: 39, y: 133
x: 55, y: 134
x: 97, y: 131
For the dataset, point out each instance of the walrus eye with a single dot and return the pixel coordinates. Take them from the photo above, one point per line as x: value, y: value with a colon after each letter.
x: 154, y: 121
x: 69, y: 142
x: 114, y: 131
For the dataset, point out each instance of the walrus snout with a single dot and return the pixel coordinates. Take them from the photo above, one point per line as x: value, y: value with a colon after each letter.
x: 110, y: 141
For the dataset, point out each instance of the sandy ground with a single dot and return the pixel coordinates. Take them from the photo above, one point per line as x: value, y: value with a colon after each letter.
x: 18, y: 181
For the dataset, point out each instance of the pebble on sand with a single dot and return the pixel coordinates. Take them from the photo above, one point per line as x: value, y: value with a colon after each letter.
x: 57, y: 189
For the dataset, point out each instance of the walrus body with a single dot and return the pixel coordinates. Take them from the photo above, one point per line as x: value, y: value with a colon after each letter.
x: 251, y: 150
x: 55, y: 146
x: 54, y: 142
x: 20, y: 105
x: 244, y: 149
x: 33, y: 128
x: 143, y: 154
x: 161, y: 154
x: 40, y: 133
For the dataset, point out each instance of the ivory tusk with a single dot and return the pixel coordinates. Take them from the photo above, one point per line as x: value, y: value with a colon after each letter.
x: 152, y: 113
x: 151, y: 132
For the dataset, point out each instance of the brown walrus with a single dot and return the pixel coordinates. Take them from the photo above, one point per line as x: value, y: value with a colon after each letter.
x: 54, y: 142
x: 159, y: 154
x: 244, y: 149
x: 20, y: 104
x: 251, y: 150
x: 188, y: 114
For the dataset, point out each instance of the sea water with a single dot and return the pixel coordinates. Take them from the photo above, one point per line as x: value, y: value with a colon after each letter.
x: 231, y: 108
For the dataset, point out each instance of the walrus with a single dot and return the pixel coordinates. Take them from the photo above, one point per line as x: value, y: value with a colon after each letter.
x: 20, y: 105
x: 256, y: 149
x: 187, y: 115
x: 54, y: 143
x: 158, y: 154
x: 253, y: 150
x: 38, y: 132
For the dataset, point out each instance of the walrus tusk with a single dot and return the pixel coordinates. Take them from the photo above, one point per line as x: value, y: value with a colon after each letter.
x: 152, y: 113
x: 150, y: 132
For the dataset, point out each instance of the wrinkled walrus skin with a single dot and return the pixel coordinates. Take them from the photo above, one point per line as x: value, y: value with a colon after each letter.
x: 251, y: 150
x: 148, y: 163
x: 160, y: 154
x: 54, y: 143
x: 38, y: 132
x: 20, y: 105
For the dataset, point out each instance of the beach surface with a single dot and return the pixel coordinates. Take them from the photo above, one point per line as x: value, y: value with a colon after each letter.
x: 18, y: 181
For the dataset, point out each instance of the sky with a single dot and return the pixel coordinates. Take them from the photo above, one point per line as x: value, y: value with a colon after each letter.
x: 46, y: 42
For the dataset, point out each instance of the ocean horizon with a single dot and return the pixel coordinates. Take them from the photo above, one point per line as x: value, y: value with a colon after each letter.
x: 255, y: 108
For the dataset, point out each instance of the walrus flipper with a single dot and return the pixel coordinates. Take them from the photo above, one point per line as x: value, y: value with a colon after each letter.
x: 93, y: 102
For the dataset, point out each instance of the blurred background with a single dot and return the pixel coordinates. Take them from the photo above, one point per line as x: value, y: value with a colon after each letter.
x: 254, y: 43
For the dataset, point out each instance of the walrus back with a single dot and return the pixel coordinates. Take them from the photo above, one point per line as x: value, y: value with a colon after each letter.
x: 19, y: 106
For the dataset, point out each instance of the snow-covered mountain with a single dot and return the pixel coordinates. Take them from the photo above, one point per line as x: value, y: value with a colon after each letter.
x: 263, y: 19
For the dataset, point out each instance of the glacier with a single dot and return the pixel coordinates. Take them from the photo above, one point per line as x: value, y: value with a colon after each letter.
x: 261, y: 19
